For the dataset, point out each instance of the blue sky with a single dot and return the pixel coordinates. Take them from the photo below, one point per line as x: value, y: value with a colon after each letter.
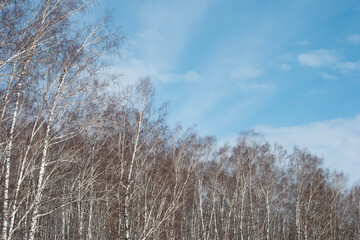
x: 290, y: 69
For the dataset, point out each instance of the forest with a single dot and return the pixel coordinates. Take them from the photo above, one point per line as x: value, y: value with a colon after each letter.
x: 80, y: 160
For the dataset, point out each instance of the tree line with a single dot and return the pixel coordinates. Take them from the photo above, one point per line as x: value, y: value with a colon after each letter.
x: 80, y: 160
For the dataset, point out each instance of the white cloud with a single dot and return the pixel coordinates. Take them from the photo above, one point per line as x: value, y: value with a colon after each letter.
x: 337, y: 140
x: 165, y: 29
x: 327, y: 76
x: 134, y: 69
x: 318, y: 58
x: 246, y: 72
x: 328, y: 59
x: 349, y: 66
x: 353, y: 39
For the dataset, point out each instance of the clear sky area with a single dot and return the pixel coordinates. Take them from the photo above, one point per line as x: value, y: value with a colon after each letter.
x: 289, y: 69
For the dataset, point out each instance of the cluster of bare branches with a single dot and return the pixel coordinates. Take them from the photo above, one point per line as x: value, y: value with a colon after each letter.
x: 80, y: 161
x: 254, y: 190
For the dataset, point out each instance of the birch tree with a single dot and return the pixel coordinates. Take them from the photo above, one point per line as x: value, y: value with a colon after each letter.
x: 44, y: 55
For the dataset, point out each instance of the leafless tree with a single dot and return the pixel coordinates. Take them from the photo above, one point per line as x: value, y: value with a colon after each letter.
x: 80, y: 160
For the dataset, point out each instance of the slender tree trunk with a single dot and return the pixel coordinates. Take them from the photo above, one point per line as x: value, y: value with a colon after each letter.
x: 242, y: 210
x: 129, y: 179
x: 268, y: 215
x: 20, y: 181
x: 298, y: 217
x: 201, y: 208
x: 63, y: 223
x: 40, y: 186
x: 80, y: 212
x: 126, y: 212
x: 8, y: 164
x: 90, y: 225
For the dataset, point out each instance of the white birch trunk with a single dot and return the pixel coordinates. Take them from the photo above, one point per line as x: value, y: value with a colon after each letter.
x: 43, y: 163
x: 129, y: 179
x: 80, y: 213
x: 40, y: 187
x: 90, y: 226
x: 297, y: 218
x: 39, y: 191
x: 7, y: 165
x: 200, y: 193
x: 268, y: 211
x: 63, y: 226
x: 19, y: 182
x: 241, y: 225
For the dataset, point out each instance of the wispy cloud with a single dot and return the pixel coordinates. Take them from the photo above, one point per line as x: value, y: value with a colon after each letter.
x: 285, y: 61
x: 329, y: 59
x: 318, y: 58
x: 353, y: 39
x: 246, y: 72
x: 304, y: 43
x: 337, y: 140
x: 134, y: 69
x: 165, y: 28
x: 349, y: 66
x: 327, y: 76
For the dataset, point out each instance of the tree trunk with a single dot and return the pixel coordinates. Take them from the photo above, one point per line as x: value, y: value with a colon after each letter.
x: 7, y: 164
